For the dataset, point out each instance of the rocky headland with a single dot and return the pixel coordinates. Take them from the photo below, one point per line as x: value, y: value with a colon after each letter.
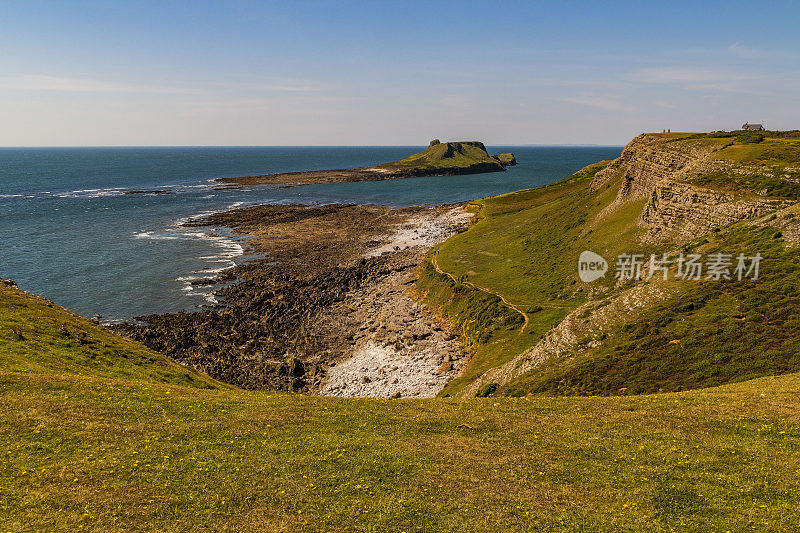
x: 439, y: 159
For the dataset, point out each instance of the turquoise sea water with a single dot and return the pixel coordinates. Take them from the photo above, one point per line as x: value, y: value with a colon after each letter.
x: 70, y: 234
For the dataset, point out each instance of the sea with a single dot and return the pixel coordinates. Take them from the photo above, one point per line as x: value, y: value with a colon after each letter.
x: 71, y: 234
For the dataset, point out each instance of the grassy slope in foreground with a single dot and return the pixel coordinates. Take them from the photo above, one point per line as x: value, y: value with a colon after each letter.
x: 36, y: 336
x: 104, y: 435
x: 524, y: 246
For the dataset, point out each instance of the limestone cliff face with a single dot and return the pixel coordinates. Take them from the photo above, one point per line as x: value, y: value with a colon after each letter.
x: 657, y: 169
x: 643, y: 163
x: 682, y: 212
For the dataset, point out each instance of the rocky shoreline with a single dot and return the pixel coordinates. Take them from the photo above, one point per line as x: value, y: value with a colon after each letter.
x: 326, y: 309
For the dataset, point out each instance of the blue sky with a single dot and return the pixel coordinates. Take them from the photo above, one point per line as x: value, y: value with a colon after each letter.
x: 347, y: 73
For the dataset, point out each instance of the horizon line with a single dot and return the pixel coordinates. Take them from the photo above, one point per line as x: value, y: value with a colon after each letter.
x: 526, y: 145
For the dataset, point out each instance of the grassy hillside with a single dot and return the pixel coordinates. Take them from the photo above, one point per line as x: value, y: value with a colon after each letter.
x: 523, y: 250
x: 450, y: 157
x: 36, y: 336
x: 85, y: 448
x: 107, y: 455
x: 525, y: 246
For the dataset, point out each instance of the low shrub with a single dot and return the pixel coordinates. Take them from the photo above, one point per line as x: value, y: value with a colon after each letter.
x: 487, y: 390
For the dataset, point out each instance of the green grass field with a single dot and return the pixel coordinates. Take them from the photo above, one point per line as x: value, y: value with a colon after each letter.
x: 121, y: 447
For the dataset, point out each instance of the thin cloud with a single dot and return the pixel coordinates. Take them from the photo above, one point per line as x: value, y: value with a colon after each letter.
x: 270, y: 84
x: 688, y: 76
x: 737, y: 49
x: 666, y: 105
x: 46, y: 83
x: 454, y: 101
x: 599, y: 102
x: 311, y: 104
x: 82, y: 85
x: 743, y: 51
x: 702, y: 79
x: 291, y: 88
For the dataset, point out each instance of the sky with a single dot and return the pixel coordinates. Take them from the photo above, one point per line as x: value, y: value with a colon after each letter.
x: 168, y: 73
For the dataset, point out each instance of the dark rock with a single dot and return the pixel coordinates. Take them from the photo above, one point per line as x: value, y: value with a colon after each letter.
x: 298, y: 369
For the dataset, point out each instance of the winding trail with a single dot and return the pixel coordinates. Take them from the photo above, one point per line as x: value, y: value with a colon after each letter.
x: 435, y: 263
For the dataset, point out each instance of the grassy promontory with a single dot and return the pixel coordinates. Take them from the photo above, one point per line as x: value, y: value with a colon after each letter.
x: 464, y: 157
x: 439, y: 159
x: 106, y: 436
